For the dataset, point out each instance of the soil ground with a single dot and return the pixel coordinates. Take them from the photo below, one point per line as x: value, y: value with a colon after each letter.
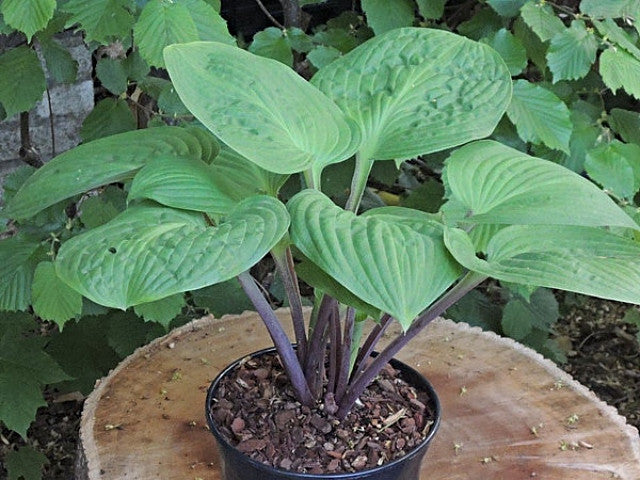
x: 603, y: 354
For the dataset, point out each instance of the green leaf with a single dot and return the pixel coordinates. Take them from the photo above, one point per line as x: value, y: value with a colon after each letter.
x: 493, y: 184
x: 540, y: 116
x: 25, y: 463
x: 609, y: 29
x: 431, y: 9
x: 135, y: 66
x: 161, y: 311
x: 536, y: 48
x: 485, y: 23
x: 610, y: 8
x: 18, y: 259
x: 625, y: 123
x: 616, y: 167
x: 52, y: 299
x: 109, y: 117
x: 383, y: 16
x: 632, y: 316
x: 510, y: 49
x: 164, y: 22
x: 20, y: 66
x: 28, y: 16
x: 104, y: 161
x: 24, y: 370
x: 62, y: 67
x: 185, y: 183
x: 321, y: 56
x: 112, y: 74
x: 225, y: 88
x: 477, y: 310
x: 102, y: 20
x: 572, y: 52
x: 223, y: 298
x: 148, y: 252
x: 542, y: 20
x: 380, y: 257
x: 339, y: 38
x: 427, y: 197
x: 520, y: 317
x: 126, y: 332
x: 272, y: 43
x: 409, y: 90
x: 586, y: 260
x: 169, y: 102
x: 96, y: 211
x: 619, y: 69
x: 507, y: 8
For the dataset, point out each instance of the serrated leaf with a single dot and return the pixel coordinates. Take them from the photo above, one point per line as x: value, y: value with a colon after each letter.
x: 112, y: 74
x: 409, y: 91
x: 272, y: 43
x: 20, y: 66
x: 101, y: 20
x: 572, y: 52
x: 135, y: 66
x: 484, y: 23
x: 541, y: 19
x: 62, y: 67
x: 149, y: 252
x: 161, y: 311
x: 340, y: 38
x: 383, y: 16
x: 28, y: 16
x: 610, y: 8
x: 506, y: 8
x: 24, y: 370
x: 322, y: 55
x: 586, y: 260
x: 52, y: 299
x: 625, y: 123
x: 224, y: 87
x: 477, y: 310
x: 540, y: 116
x: 209, y: 24
x: 223, y: 298
x: 510, y: 49
x: 18, y: 258
x: 169, y: 102
x: 616, y: 167
x: 520, y: 317
x: 493, y: 184
x: 299, y: 41
x: 536, y: 48
x: 104, y: 161
x: 609, y: 29
x: 96, y: 211
x: 126, y: 332
x: 25, y: 463
x: 431, y: 9
x: 619, y: 69
x: 14, y: 180
x: 109, y: 117
x: 364, y: 253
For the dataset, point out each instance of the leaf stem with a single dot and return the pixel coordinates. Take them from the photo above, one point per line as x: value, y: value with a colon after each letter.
x: 345, y: 354
x: 358, y: 182
x: 370, y: 343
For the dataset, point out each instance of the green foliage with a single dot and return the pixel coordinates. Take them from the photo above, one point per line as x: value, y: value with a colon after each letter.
x: 101, y: 21
x: 60, y: 64
x: 620, y: 69
x: 383, y: 16
x: 572, y: 52
x: 25, y: 463
x: 273, y: 43
x: 632, y: 317
x: 20, y: 66
x: 28, y: 16
x: 109, y: 117
x: 161, y: 311
x: 222, y: 298
x: 51, y: 298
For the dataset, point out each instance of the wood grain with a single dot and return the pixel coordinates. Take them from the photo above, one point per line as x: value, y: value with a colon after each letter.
x: 508, y: 414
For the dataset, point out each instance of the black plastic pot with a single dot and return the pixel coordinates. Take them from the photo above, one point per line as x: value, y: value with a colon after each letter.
x: 235, y: 465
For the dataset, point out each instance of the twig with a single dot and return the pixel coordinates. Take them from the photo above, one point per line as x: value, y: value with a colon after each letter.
x: 269, y: 16
x: 51, y: 125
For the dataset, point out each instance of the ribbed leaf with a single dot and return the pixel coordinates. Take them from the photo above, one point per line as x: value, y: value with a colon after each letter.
x: 610, y: 29
x: 395, y: 263
x: 186, y: 183
x: 21, y: 68
x: 415, y: 90
x: 148, y: 253
x: 572, y: 52
x: 610, y: 8
x: 383, y: 16
x: 52, y: 298
x: 108, y: 160
x: 586, y: 260
x: 259, y: 107
x: 541, y: 19
x: 17, y: 263
x: 620, y: 69
x: 540, y: 116
x: 494, y: 184
x: 101, y: 20
x: 28, y: 16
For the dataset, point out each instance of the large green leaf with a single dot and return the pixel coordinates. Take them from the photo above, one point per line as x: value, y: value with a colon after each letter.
x: 489, y: 183
x: 18, y: 259
x: 540, y: 116
x: 22, y: 82
x: 164, y: 23
x: 149, y: 252
x: 572, y: 52
x: 586, y: 260
x: 102, y: 20
x: 394, y: 262
x: 186, y: 183
x: 28, y: 16
x: 414, y: 91
x: 383, y: 16
x: 52, y: 299
x: 104, y: 161
x: 259, y: 107
x: 620, y: 69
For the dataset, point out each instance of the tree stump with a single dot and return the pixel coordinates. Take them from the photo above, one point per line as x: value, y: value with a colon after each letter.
x: 507, y: 412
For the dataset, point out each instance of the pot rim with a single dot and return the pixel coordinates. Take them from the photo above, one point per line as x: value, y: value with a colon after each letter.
x: 342, y: 476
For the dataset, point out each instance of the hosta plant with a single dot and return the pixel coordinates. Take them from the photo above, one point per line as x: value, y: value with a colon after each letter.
x: 193, y: 222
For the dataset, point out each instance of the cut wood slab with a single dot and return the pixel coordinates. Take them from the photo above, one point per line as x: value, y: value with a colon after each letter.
x: 508, y: 414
